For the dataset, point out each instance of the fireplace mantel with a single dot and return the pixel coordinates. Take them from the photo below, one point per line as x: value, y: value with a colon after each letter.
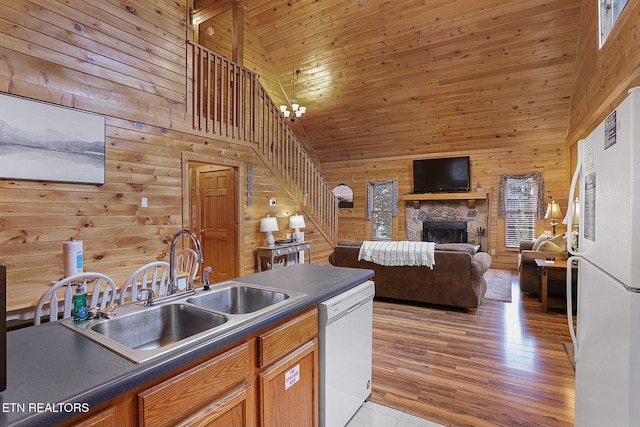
x: 445, y: 196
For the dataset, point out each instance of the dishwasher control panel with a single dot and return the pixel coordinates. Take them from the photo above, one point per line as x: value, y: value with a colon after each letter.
x: 346, y: 302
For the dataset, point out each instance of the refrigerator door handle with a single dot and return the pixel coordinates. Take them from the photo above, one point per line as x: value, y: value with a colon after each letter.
x: 575, y: 254
x: 572, y: 330
x: 572, y: 191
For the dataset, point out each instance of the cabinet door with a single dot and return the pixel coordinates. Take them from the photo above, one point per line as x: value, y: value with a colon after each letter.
x: 236, y: 409
x: 289, y: 389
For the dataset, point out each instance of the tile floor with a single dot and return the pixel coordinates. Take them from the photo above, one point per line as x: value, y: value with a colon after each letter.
x: 373, y: 415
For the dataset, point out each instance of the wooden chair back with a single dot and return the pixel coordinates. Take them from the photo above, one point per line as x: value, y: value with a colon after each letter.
x: 57, y: 301
x: 187, y: 261
x: 154, y: 276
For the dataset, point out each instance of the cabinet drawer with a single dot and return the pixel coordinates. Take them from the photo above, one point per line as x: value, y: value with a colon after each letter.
x: 104, y: 418
x: 287, y: 337
x: 180, y: 396
x: 236, y: 408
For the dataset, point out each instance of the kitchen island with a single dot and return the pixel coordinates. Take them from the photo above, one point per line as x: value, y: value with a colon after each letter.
x: 54, y: 373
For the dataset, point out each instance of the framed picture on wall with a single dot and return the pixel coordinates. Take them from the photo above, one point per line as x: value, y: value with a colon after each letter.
x: 47, y: 142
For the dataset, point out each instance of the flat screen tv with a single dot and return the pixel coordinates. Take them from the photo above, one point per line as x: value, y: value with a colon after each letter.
x: 448, y: 174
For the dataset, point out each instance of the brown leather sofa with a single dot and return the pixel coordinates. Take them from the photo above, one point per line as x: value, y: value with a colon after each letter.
x: 457, y: 279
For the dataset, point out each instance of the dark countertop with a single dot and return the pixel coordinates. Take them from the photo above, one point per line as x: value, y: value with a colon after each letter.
x: 50, y: 367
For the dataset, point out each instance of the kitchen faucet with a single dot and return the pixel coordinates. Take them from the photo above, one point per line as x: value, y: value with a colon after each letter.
x: 172, y: 287
x: 151, y: 296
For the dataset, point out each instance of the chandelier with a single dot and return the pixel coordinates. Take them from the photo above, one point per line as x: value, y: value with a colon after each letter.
x: 297, y: 110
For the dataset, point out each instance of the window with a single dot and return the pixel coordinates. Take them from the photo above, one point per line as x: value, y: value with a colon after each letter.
x: 609, y: 12
x: 344, y: 194
x: 520, y: 205
x: 382, y: 207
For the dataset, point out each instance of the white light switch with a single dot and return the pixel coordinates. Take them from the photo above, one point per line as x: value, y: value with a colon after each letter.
x: 143, y: 202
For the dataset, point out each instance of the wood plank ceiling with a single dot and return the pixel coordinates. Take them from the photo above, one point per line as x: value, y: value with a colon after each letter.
x: 419, y: 77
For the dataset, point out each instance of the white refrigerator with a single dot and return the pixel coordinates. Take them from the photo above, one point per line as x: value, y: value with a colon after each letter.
x: 607, y: 334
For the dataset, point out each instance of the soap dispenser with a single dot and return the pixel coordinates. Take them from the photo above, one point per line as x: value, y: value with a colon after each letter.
x: 80, y: 311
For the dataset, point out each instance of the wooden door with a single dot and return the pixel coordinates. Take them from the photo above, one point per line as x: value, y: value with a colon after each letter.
x: 219, y: 222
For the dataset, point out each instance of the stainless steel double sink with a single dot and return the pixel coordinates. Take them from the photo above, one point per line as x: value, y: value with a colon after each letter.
x: 143, y: 333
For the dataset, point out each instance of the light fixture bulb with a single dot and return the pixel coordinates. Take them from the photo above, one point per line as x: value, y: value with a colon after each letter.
x: 283, y: 108
x: 294, y: 106
x: 302, y: 109
x: 287, y: 114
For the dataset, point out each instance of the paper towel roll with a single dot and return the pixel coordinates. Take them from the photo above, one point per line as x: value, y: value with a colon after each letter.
x: 72, y: 254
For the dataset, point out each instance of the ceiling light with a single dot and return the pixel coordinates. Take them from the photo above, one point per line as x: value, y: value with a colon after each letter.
x: 297, y: 109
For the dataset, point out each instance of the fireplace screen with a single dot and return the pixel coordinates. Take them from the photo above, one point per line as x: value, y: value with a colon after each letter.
x: 444, y: 231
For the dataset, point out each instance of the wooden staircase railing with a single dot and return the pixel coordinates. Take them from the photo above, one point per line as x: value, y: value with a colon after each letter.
x: 228, y: 101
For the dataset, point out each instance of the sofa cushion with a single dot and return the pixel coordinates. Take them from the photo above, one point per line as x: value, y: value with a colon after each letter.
x: 554, y: 244
x: 456, y: 247
x: 540, y: 240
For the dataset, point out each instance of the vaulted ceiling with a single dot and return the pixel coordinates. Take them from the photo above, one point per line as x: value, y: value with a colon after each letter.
x: 415, y: 77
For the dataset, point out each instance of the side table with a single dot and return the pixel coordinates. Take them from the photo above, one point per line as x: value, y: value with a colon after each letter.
x: 281, y: 255
x: 550, y: 270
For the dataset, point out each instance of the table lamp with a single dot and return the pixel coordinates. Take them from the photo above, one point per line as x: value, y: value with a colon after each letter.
x: 297, y: 221
x: 575, y: 218
x: 553, y: 213
x: 269, y: 224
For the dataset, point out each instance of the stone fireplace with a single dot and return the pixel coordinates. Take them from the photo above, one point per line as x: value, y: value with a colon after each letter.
x: 456, y: 220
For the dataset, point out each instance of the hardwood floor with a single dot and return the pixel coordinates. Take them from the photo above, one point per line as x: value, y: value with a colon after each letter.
x: 503, y: 366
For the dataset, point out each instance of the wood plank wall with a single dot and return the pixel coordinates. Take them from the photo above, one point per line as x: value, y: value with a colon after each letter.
x: 486, y: 168
x: 126, y: 61
x: 255, y: 57
x: 603, y: 76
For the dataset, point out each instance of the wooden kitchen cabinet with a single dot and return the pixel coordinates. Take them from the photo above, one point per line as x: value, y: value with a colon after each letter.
x: 235, y: 409
x: 104, y: 418
x: 177, y: 399
x: 282, y: 340
x: 289, y: 389
x: 269, y: 379
x: 288, y: 381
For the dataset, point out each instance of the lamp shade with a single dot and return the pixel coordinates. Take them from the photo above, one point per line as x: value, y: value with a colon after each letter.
x: 553, y: 211
x: 575, y: 219
x: 269, y: 223
x: 296, y: 221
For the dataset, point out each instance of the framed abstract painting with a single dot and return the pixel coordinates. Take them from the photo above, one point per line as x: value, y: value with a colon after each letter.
x: 47, y: 142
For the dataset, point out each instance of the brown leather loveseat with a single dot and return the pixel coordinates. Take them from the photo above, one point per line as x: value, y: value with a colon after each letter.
x: 457, y: 279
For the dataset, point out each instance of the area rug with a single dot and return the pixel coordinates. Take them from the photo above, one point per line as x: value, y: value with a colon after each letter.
x: 568, y: 347
x: 498, y: 285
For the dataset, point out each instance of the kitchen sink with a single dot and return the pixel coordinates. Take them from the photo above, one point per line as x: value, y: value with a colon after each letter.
x: 238, y: 298
x: 159, y: 326
x: 142, y: 333
x: 149, y: 332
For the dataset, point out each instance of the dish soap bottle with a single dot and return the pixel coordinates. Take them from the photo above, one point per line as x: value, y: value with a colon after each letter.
x: 80, y: 311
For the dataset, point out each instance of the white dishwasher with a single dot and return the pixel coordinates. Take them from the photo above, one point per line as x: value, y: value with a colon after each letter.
x: 345, y: 329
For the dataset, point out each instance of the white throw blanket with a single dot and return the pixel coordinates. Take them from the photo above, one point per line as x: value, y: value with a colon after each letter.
x: 398, y: 253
